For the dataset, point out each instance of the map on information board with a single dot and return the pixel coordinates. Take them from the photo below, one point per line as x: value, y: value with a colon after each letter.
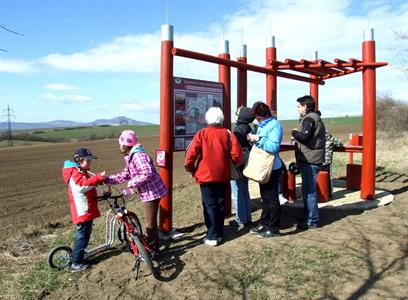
x: 192, y: 98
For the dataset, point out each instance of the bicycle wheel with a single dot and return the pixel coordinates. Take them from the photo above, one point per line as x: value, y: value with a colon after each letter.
x: 135, y: 223
x: 144, y: 255
x: 59, y: 257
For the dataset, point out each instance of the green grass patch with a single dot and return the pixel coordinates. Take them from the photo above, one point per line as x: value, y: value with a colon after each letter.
x: 41, y: 280
x: 97, y: 132
x: 63, y: 237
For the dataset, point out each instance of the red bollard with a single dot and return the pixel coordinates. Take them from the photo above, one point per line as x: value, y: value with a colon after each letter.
x: 323, y: 186
x: 353, y: 177
x: 291, y: 191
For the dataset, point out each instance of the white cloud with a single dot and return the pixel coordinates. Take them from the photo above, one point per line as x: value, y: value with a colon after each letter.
x: 78, y: 98
x: 51, y: 96
x: 137, y: 106
x: 132, y: 53
x: 16, y: 66
x: 60, y: 87
x: 67, y: 98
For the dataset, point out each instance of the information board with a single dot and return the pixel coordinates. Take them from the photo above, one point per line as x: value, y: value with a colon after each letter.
x: 192, y: 98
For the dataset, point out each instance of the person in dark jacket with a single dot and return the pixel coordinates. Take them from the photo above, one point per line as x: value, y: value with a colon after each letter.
x: 208, y: 160
x: 240, y: 192
x: 309, y: 151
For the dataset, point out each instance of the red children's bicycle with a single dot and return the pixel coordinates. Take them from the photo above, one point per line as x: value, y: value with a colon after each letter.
x: 129, y: 231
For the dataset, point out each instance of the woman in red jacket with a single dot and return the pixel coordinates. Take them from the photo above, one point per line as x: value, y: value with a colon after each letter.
x: 208, y: 160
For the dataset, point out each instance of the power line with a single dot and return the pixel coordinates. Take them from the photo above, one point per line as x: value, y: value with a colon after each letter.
x: 9, y: 116
x: 9, y: 30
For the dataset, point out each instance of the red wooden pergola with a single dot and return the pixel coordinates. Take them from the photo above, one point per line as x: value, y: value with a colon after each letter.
x: 318, y: 71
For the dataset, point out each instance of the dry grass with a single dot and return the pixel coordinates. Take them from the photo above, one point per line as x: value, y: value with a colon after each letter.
x: 390, y: 155
x: 392, y: 152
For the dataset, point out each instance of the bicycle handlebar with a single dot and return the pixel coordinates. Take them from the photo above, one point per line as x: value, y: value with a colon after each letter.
x: 108, y: 195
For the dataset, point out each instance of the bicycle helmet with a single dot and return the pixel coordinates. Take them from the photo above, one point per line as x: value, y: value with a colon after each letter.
x: 294, y: 168
x: 128, y: 138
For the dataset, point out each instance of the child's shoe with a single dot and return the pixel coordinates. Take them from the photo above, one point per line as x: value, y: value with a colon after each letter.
x: 78, y: 267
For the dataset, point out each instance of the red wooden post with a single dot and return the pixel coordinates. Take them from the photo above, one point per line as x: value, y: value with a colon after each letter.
x: 369, y: 125
x: 242, y: 79
x: 314, y: 88
x: 166, y: 125
x: 271, y: 80
x: 224, y: 76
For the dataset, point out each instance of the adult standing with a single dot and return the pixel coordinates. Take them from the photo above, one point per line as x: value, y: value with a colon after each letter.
x: 268, y: 138
x: 208, y: 160
x: 239, y: 188
x: 309, y: 152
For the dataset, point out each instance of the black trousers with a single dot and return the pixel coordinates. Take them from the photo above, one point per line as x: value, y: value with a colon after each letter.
x: 271, y: 210
x: 213, y: 197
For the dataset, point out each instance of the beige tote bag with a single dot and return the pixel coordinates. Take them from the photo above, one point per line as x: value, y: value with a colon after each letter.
x: 259, y: 165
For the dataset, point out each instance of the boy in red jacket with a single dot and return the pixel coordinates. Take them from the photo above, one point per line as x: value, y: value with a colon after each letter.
x: 84, y: 205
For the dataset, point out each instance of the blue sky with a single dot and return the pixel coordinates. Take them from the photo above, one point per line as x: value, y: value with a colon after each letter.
x: 83, y: 60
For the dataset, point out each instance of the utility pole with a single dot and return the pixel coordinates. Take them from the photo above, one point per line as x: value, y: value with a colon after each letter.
x: 9, y: 115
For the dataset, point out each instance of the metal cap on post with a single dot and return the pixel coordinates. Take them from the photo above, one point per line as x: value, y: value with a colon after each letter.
x: 271, y: 42
x: 244, y: 50
x: 224, y: 47
x: 167, y: 32
x: 314, y: 55
x: 369, y: 34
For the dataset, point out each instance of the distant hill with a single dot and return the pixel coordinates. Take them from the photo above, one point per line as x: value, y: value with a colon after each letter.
x: 121, y: 120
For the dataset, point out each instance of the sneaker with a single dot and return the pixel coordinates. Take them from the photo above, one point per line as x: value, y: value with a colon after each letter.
x: 282, y: 199
x: 234, y: 223
x: 301, y: 227
x: 268, y: 233
x: 237, y: 225
x: 78, y: 267
x: 210, y: 242
x: 219, y: 241
x: 257, y: 229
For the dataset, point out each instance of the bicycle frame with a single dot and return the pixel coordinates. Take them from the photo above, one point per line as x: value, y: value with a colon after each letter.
x: 110, y: 230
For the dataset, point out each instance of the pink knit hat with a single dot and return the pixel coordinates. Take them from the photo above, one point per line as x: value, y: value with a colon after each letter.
x: 128, y: 138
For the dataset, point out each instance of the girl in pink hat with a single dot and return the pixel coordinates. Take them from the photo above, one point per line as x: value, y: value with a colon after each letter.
x: 143, y: 178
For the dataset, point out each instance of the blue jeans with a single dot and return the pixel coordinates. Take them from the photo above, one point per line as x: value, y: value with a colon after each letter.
x: 213, y: 198
x: 311, y: 211
x: 241, y: 201
x: 83, y: 235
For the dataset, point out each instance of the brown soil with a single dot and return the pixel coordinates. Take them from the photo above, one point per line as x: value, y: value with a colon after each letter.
x: 369, y: 248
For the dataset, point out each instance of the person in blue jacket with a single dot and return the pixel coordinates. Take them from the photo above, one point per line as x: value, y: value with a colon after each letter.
x: 268, y: 137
